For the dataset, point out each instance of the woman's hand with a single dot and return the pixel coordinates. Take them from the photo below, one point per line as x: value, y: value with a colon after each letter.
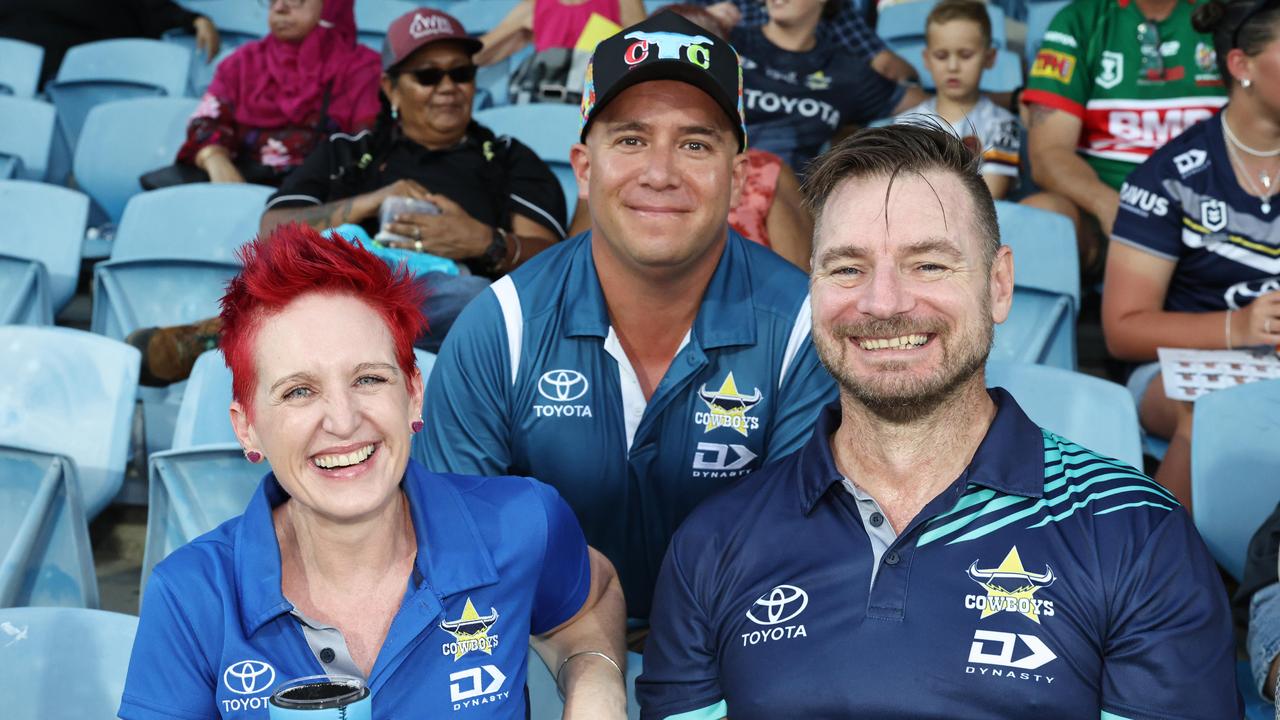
x: 452, y: 234
x: 207, y: 39
x: 1258, y: 323
x: 215, y: 160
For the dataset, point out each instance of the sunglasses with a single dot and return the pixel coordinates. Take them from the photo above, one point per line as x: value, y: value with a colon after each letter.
x: 431, y: 76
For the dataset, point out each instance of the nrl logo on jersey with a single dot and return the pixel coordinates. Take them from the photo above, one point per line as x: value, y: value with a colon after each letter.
x: 1010, y: 588
x: 1213, y: 214
x: 728, y: 408
x: 1111, y: 73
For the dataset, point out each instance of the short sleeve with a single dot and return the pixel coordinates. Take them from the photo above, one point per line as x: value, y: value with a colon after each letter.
x: 466, y: 427
x: 565, y: 580
x: 681, y: 663
x: 1169, y: 650
x: 168, y: 675
x: 1056, y: 79
x: 308, y: 184
x: 806, y: 388
x: 1149, y: 218
x: 534, y: 190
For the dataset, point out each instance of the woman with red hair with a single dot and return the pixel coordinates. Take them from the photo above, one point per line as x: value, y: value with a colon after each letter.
x: 352, y: 559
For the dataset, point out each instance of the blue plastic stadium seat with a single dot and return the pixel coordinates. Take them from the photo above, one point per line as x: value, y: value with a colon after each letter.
x: 124, y: 140
x: 44, y: 223
x: 1039, y: 15
x: 19, y: 67
x: 238, y: 22
x: 1235, y: 464
x: 903, y: 23
x: 44, y: 535
x: 373, y: 17
x: 24, y: 292
x: 1089, y: 411
x: 64, y: 663
x: 544, y: 700
x: 71, y: 393
x: 480, y: 16
x: 26, y: 136
x: 99, y: 72
x: 1137, y: 384
x: 549, y: 129
x: 1041, y: 327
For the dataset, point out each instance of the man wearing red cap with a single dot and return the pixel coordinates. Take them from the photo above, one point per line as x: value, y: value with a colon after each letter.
x: 643, y: 365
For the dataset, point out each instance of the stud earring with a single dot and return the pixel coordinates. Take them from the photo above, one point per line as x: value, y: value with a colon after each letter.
x: 395, y: 113
x: 253, y: 456
x: 416, y: 426
x: 1246, y: 83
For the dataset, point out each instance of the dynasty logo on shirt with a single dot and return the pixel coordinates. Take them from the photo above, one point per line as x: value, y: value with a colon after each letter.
x: 726, y: 407
x: 470, y: 632
x: 1010, y: 588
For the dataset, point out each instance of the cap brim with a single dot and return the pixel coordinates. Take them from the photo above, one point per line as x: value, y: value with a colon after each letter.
x: 470, y: 45
x: 678, y: 70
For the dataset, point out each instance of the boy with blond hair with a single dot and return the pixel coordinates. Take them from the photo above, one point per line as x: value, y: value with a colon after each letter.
x: 957, y: 50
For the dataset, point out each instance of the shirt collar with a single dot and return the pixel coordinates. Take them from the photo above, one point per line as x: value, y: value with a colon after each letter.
x: 728, y: 297
x: 1010, y: 458
x: 452, y: 555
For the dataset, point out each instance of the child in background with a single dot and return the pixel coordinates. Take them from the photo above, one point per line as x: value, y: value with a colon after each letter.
x: 957, y: 50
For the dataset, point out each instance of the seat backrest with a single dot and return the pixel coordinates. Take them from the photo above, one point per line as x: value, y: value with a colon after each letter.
x: 72, y: 393
x: 19, y: 67
x: 26, y: 132
x: 549, y: 129
x: 124, y: 139
x: 135, y: 60
x: 373, y: 17
x: 1235, y: 467
x: 1091, y: 412
x: 479, y: 16
x: 24, y: 292
x: 63, y: 663
x: 905, y: 22
x: 203, y: 416
x: 1039, y: 15
x: 201, y: 221
x: 238, y: 21
x: 1044, y: 249
x: 46, y: 223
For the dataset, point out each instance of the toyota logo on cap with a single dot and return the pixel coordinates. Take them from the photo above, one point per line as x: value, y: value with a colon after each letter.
x: 248, y: 677
x: 778, y: 605
x: 562, y: 385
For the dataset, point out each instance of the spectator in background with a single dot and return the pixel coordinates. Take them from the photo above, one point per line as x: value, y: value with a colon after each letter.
x: 957, y: 50
x: 770, y: 210
x: 58, y: 25
x: 847, y: 29
x: 499, y: 203
x: 1113, y: 81
x: 551, y: 24
x: 273, y: 100
x: 1194, y: 259
x: 801, y: 88
x: 1258, y: 599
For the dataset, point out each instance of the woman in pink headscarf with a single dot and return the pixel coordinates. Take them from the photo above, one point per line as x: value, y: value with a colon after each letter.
x: 274, y: 99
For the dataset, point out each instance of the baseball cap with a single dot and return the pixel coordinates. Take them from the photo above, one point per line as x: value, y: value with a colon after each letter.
x: 421, y: 27
x: 665, y: 47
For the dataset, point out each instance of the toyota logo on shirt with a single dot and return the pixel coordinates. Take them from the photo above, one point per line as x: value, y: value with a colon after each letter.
x: 248, y: 677
x: 779, y: 605
x: 562, y: 385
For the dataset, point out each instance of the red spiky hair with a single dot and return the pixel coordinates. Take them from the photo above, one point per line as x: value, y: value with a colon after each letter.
x: 296, y: 260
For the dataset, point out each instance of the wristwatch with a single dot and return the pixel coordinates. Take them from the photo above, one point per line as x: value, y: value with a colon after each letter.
x: 497, y: 250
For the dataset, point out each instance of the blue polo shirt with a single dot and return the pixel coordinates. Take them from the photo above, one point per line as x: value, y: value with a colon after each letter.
x: 498, y: 559
x: 532, y: 380
x: 1045, y: 582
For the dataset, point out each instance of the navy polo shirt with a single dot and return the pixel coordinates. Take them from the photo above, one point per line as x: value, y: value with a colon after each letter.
x: 532, y: 380
x: 1045, y: 582
x: 498, y: 559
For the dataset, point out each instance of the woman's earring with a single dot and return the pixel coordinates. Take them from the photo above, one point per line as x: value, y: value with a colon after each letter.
x: 1246, y: 83
x: 395, y: 113
x: 416, y: 425
x: 253, y: 456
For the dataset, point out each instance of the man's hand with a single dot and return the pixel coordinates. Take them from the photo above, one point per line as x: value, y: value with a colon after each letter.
x: 207, y: 39
x: 892, y: 66
x: 452, y: 234
x: 727, y: 13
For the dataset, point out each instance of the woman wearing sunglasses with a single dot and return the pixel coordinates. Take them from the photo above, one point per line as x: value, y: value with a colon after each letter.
x: 1195, y: 262
x: 498, y: 204
x: 272, y: 100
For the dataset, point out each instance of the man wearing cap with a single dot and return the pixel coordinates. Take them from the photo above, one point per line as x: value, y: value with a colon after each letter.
x: 644, y: 364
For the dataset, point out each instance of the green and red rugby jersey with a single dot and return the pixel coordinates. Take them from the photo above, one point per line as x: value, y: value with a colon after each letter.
x: 1090, y: 65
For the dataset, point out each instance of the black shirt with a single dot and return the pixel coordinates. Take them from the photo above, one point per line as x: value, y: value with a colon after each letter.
x: 491, y: 177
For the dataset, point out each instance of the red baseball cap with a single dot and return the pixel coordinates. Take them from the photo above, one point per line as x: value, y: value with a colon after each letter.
x: 419, y: 28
